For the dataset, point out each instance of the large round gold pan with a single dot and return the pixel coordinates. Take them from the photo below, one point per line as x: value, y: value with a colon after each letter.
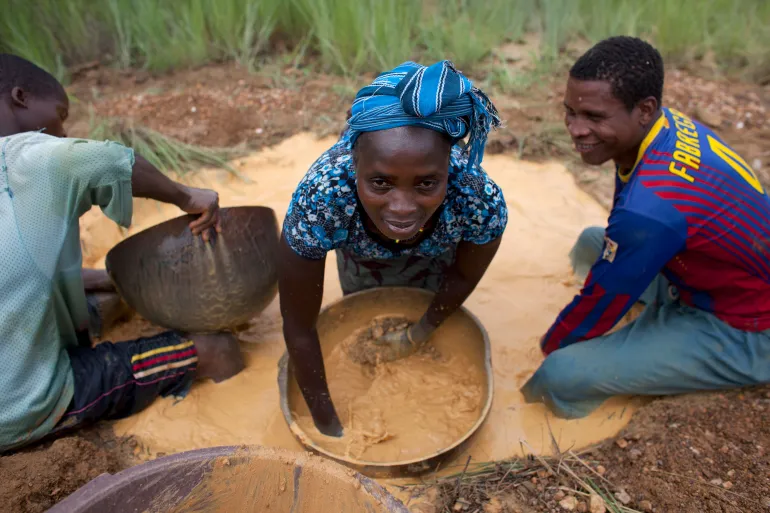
x: 342, y: 318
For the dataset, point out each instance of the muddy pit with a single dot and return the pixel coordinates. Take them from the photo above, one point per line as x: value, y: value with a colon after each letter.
x: 523, y: 290
x: 535, y: 231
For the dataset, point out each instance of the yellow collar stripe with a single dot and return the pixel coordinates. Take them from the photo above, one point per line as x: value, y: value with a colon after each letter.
x: 651, y: 135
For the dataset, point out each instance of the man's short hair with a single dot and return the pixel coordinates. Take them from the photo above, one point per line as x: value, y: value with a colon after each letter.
x: 632, y: 66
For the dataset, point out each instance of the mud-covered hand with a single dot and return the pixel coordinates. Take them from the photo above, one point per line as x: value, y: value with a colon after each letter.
x: 206, y: 203
x: 404, y: 342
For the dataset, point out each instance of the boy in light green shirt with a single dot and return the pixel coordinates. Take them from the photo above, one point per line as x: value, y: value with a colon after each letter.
x: 48, y: 380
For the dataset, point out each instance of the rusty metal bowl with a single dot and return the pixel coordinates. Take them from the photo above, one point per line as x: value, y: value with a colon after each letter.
x: 332, y: 329
x: 178, y: 281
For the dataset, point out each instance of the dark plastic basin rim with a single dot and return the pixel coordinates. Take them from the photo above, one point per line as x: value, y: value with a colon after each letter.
x: 106, y: 485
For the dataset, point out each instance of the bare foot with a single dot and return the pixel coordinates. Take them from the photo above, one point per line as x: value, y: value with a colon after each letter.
x: 219, y: 356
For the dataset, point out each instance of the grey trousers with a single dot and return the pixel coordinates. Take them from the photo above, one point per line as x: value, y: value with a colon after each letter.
x: 671, y: 348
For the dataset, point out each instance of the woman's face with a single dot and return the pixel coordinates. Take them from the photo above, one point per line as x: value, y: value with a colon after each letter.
x: 401, y: 177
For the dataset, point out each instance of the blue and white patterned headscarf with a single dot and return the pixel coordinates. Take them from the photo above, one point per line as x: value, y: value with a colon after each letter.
x: 437, y: 97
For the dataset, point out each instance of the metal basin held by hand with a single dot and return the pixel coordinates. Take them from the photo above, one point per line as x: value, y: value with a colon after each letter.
x: 180, y: 282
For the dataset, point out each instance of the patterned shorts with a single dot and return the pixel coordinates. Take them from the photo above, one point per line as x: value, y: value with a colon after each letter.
x: 113, y: 381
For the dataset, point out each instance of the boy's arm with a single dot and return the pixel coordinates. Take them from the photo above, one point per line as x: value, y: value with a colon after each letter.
x: 148, y: 182
x: 108, y: 174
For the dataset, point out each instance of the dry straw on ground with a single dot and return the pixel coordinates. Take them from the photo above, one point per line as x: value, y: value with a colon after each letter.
x: 567, y: 481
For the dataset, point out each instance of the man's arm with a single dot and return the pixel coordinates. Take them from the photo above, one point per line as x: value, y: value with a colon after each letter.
x: 300, y: 285
x: 637, y: 247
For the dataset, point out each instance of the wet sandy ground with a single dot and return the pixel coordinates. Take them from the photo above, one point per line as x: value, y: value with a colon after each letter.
x: 522, y: 292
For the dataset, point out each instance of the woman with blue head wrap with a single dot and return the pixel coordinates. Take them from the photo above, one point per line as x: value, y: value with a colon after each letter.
x: 401, y: 203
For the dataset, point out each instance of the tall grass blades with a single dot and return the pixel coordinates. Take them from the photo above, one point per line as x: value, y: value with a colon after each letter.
x: 465, y: 31
x: 604, y: 18
x: 167, y: 34
x: 559, y: 21
x: 355, y: 36
x: 352, y: 36
x: 51, y: 33
x: 241, y: 29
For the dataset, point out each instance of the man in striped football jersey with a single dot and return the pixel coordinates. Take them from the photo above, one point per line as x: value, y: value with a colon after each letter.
x: 688, y: 236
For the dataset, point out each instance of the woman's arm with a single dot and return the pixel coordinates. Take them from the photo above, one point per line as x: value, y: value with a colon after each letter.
x: 300, y: 285
x: 471, y: 262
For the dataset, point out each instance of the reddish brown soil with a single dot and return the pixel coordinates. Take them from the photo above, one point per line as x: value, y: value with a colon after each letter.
x: 217, y: 106
x: 35, y: 479
x: 700, y: 453
x: 676, y: 447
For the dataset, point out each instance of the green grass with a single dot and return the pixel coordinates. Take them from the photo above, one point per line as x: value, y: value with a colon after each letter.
x: 352, y: 36
x: 355, y: 36
x: 735, y: 34
x: 466, y: 31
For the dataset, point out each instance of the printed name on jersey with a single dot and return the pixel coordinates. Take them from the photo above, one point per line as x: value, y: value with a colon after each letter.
x: 610, y: 249
x: 688, y: 153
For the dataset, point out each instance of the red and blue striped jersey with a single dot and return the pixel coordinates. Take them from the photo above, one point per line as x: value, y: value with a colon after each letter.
x: 692, y: 209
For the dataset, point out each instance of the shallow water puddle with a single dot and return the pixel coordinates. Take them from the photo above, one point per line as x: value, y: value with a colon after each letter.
x: 524, y: 289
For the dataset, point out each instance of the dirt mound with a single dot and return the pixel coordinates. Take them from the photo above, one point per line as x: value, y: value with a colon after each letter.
x: 700, y: 453
x: 35, y: 480
x: 217, y: 106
